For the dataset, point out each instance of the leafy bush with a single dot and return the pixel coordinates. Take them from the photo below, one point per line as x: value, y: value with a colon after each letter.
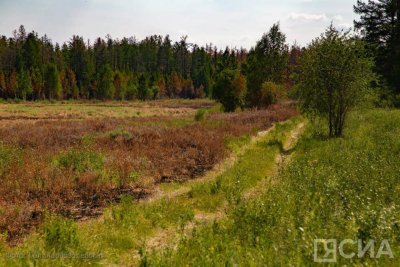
x: 80, y: 161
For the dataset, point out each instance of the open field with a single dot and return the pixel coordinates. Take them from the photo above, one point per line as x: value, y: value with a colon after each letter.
x: 232, y: 199
x: 95, y: 109
x: 130, y: 228
x: 345, y: 188
x: 74, y: 166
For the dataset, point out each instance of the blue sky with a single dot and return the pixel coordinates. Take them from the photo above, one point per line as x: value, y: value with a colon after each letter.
x: 234, y: 23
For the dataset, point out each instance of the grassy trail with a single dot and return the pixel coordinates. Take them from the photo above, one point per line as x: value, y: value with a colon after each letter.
x: 342, y: 189
x: 170, y: 236
x: 166, y: 238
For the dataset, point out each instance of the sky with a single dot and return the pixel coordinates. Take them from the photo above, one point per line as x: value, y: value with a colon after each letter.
x: 233, y: 23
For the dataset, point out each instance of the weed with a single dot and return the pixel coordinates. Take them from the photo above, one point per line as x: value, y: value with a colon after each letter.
x: 59, y: 234
x: 126, y: 136
x: 80, y: 161
x: 9, y: 156
x: 200, y: 115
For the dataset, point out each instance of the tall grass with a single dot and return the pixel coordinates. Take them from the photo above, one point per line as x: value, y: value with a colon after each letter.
x: 344, y: 188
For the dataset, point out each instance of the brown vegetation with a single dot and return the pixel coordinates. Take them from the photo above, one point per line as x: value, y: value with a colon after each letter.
x: 75, y: 167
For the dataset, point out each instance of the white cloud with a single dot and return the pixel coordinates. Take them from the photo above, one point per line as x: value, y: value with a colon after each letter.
x: 223, y: 22
x: 306, y: 16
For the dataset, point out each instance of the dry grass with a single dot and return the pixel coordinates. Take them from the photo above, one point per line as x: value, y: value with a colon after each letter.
x: 75, y: 167
x: 87, y: 110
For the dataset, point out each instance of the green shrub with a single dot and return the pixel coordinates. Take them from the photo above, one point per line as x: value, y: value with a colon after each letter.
x: 269, y: 94
x: 200, y: 115
x: 60, y: 234
x: 121, y: 133
x: 80, y: 161
x: 230, y: 90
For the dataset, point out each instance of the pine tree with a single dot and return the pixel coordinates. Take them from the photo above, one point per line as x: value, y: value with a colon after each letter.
x: 2, y: 84
x: 37, y: 83
x: 131, y: 89
x: 380, y: 24
x: 143, y: 88
x: 24, y: 87
x: 105, y: 79
x: 12, y: 85
x: 30, y: 51
x: 53, y: 87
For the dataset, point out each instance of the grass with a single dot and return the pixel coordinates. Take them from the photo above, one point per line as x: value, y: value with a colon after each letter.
x: 344, y: 188
x: 80, y: 160
x: 121, y: 235
x: 9, y: 156
x: 75, y: 167
x: 75, y: 109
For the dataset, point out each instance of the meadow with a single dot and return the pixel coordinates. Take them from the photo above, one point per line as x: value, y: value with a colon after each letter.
x: 342, y: 188
x: 254, y: 188
x: 76, y: 163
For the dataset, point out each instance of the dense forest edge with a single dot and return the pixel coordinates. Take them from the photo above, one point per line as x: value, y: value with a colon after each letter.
x: 34, y: 68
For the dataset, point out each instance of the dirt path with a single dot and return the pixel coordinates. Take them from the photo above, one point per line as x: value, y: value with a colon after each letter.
x: 218, y: 169
x: 281, y: 160
x: 170, y: 236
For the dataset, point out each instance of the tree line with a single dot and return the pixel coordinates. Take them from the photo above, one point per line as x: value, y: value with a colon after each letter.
x: 32, y: 67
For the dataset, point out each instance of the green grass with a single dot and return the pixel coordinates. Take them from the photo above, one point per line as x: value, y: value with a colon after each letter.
x: 9, y: 156
x: 122, y: 232
x: 79, y: 160
x: 344, y: 188
x: 200, y: 114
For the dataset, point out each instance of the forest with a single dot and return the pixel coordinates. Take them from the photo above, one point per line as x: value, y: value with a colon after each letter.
x: 34, y: 68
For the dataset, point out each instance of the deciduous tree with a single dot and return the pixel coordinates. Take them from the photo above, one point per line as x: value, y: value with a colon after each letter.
x: 334, y: 72
x: 266, y: 62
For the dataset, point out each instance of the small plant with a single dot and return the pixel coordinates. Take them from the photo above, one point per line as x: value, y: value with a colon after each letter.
x: 60, y: 233
x: 8, y: 156
x: 200, y: 115
x: 80, y: 161
x: 126, y: 136
x: 133, y: 176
